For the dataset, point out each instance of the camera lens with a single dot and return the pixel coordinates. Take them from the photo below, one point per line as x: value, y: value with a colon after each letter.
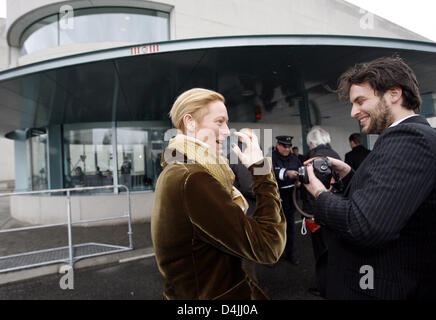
x: 302, y: 175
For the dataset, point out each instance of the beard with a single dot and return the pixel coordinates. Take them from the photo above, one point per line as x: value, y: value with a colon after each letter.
x: 380, y: 118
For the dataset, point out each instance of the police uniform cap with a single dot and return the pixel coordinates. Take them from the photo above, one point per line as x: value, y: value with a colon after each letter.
x: 285, y: 140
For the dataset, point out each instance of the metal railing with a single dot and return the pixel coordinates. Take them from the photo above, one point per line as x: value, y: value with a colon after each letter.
x: 7, y: 262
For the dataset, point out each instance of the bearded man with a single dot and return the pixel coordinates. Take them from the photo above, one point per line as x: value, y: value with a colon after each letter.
x: 382, y: 235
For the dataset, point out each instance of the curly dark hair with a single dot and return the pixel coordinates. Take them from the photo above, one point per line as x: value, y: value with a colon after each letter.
x: 383, y: 74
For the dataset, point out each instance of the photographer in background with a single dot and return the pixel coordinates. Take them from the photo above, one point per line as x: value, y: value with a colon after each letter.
x: 382, y: 235
x: 318, y: 140
x: 319, y: 143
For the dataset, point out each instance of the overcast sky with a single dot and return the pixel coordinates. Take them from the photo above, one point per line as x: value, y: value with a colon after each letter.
x: 2, y: 8
x: 415, y: 15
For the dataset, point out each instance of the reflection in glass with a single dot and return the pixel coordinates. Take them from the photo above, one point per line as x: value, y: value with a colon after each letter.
x: 93, y: 25
x: 41, y: 35
x: 38, y: 161
x: 114, y: 27
x: 88, y: 156
x: 137, y: 156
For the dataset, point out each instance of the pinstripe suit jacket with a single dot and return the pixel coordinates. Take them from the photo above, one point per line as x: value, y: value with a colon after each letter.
x: 387, y: 219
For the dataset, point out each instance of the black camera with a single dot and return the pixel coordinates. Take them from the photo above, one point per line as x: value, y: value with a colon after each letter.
x: 322, y: 167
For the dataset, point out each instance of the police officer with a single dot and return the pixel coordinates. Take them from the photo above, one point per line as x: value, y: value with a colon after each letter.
x: 286, y: 166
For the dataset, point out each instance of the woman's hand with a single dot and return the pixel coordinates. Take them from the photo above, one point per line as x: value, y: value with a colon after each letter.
x: 252, y: 152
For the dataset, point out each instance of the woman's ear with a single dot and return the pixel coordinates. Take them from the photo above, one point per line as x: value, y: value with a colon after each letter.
x: 189, y: 123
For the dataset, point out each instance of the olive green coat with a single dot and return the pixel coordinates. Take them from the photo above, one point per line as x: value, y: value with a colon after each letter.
x: 200, y: 235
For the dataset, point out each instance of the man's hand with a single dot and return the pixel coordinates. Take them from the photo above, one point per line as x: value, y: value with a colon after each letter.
x: 292, y: 174
x: 338, y: 166
x: 315, y: 186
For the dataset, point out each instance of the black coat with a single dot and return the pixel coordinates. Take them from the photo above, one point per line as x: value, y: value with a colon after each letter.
x: 320, y: 249
x: 356, y: 156
x: 387, y: 220
x: 281, y: 164
x: 323, y: 150
x: 244, y: 183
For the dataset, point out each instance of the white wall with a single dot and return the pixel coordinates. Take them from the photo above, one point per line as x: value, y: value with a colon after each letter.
x: 44, y: 209
x: 4, y: 49
x: 218, y: 18
x: 7, y: 166
x: 432, y: 121
x: 247, y: 17
x: 7, y: 169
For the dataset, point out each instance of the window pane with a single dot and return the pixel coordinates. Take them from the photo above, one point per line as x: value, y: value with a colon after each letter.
x: 89, y: 159
x: 88, y: 156
x: 93, y: 25
x: 132, y: 164
x: 41, y: 35
x: 39, y: 179
x: 140, y: 147
x: 115, y: 27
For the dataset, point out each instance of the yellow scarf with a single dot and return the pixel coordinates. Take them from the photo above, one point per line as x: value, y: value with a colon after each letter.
x: 218, y: 167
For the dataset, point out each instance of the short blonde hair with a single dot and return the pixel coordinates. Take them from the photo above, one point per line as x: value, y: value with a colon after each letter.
x: 193, y: 102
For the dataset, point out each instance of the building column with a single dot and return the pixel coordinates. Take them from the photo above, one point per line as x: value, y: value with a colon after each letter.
x: 306, y: 121
x: 54, y: 157
x: 22, y: 168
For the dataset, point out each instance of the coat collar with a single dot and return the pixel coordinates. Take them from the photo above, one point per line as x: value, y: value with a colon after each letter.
x: 416, y: 119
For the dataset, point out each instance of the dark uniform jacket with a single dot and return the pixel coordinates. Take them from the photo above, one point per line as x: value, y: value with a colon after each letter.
x: 200, y: 235
x: 356, y: 156
x: 281, y: 164
x: 387, y: 222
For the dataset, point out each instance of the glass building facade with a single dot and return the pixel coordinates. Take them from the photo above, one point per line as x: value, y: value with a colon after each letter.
x: 94, y: 152
x: 94, y: 147
x: 111, y: 128
x: 37, y: 160
x: 93, y: 25
x: 100, y: 118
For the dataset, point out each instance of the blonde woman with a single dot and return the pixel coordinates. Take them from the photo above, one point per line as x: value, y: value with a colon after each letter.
x: 199, y: 228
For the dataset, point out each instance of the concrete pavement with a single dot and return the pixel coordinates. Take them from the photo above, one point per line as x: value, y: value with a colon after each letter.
x: 126, y: 275
x: 139, y: 278
x: 5, y: 216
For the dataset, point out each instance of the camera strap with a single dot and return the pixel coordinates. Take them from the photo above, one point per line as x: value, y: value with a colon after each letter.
x: 303, y: 227
x: 294, y: 199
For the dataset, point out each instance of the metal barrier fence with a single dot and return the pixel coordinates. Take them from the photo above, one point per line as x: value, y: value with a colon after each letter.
x: 71, y: 253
